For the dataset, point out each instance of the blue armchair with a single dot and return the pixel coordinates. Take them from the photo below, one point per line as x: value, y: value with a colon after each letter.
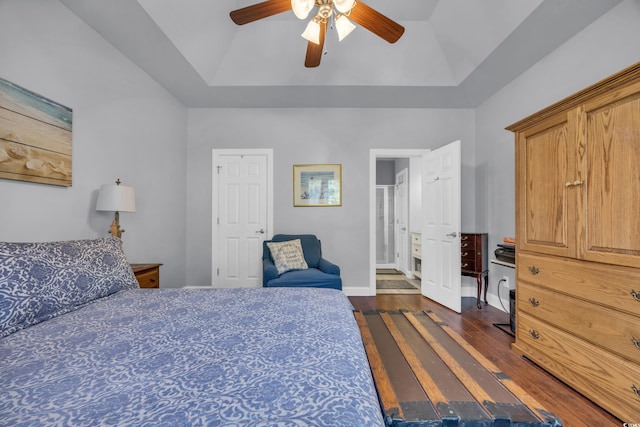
x: 320, y: 274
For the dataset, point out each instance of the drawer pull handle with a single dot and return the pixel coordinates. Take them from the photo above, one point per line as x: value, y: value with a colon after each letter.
x: 464, y: 245
x: 534, y: 270
x: 635, y: 295
x: 534, y: 334
x: 636, y: 342
x: 465, y: 265
x: 635, y: 389
x: 534, y: 302
x: 465, y: 254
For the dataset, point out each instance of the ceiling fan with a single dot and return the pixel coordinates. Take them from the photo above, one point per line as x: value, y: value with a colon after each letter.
x: 340, y: 11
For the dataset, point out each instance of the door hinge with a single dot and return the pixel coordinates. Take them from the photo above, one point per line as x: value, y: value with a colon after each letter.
x: 218, y: 220
x: 218, y: 271
x: 218, y: 167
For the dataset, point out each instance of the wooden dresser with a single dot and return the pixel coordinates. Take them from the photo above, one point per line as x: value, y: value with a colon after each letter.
x: 578, y: 241
x: 148, y: 275
x: 474, y: 261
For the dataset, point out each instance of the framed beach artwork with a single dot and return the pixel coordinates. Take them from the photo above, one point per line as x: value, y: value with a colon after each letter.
x: 35, y: 137
x: 317, y: 185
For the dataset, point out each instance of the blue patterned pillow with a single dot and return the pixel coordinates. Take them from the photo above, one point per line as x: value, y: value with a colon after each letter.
x: 39, y: 281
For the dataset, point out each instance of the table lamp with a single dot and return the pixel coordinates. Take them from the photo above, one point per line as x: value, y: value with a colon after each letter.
x: 116, y: 198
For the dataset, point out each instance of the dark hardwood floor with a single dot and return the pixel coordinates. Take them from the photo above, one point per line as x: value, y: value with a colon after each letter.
x: 476, y: 327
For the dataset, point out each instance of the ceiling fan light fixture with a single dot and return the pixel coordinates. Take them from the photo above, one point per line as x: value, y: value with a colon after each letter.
x: 312, y: 32
x: 344, y: 6
x: 343, y: 27
x: 301, y: 8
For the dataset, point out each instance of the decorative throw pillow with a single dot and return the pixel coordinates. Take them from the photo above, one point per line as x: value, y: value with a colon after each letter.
x: 39, y: 281
x: 287, y: 255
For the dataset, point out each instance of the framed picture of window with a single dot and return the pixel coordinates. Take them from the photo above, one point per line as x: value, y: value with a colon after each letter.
x: 317, y: 185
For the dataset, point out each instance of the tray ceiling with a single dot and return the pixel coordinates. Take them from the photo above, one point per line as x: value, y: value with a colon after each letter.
x: 454, y: 53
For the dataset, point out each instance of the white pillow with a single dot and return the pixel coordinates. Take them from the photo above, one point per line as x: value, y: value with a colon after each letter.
x: 287, y: 255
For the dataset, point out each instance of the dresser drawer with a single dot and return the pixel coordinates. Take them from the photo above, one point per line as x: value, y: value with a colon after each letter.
x: 416, y: 238
x: 612, y: 286
x: 416, y: 251
x: 469, y: 241
x: 471, y: 257
x: 608, y: 380
x: 148, y: 275
x: 469, y: 264
x: 614, y: 331
x: 148, y: 279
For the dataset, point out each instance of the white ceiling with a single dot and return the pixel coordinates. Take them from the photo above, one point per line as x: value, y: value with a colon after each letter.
x: 454, y: 53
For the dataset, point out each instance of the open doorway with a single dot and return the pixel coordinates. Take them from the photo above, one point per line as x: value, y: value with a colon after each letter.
x: 395, y: 177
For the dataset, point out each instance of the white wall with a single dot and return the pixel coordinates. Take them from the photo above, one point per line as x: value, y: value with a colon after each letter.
x: 604, y: 48
x: 124, y: 126
x: 313, y: 136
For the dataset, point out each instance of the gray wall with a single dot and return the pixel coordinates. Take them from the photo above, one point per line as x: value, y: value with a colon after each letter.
x: 124, y: 126
x: 301, y: 136
x: 604, y: 48
x: 386, y: 172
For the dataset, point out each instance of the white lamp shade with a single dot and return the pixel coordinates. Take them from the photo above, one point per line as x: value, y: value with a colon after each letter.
x: 301, y: 8
x: 312, y: 32
x: 343, y: 27
x: 116, y: 198
x: 344, y: 6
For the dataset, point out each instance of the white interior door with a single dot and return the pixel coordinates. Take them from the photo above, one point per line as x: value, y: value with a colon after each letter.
x: 441, y: 200
x: 241, y: 189
x: 402, y: 221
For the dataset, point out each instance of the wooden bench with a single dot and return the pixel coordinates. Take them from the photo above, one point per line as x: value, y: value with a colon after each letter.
x: 427, y: 375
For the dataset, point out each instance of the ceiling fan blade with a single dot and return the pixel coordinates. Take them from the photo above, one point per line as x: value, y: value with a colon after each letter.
x: 314, y: 51
x: 376, y: 22
x: 259, y: 11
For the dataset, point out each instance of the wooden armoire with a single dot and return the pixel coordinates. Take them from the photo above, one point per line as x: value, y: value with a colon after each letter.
x: 578, y: 241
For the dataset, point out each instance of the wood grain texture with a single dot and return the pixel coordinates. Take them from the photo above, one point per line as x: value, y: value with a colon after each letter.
x: 610, y: 164
x: 315, y: 51
x: 258, y: 11
x: 379, y: 372
x: 578, y: 258
x: 35, y: 137
x: 376, y: 22
x: 476, y: 327
x: 605, y: 88
x: 601, y: 376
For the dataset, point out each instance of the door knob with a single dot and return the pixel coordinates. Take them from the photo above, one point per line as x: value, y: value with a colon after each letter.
x: 261, y: 231
x: 454, y: 234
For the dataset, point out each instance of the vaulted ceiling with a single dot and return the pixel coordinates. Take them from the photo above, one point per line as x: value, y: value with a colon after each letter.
x: 454, y: 53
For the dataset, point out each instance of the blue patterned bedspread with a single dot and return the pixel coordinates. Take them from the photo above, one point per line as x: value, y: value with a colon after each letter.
x: 183, y: 357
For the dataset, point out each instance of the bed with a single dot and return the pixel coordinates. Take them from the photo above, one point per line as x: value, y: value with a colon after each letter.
x: 82, y: 345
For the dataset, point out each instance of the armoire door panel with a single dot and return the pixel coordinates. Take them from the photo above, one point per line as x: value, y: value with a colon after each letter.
x: 544, y: 198
x: 612, y: 196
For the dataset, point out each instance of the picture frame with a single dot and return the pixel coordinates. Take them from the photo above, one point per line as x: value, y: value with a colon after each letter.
x: 35, y: 137
x: 317, y: 185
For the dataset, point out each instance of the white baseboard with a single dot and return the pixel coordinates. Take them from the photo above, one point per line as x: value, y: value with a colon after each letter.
x: 359, y: 291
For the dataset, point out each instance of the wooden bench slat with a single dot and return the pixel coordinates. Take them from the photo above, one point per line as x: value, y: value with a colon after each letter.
x: 416, y: 351
x: 381, y: 378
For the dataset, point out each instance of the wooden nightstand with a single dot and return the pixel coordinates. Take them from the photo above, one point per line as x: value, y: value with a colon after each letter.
x: 148, y: 275
x: 474, y: 259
